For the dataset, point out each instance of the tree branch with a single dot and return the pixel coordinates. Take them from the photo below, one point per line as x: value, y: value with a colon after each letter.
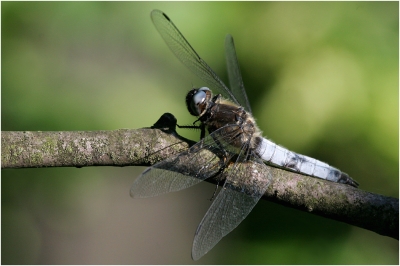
x: 123, y: 147
x: 144, y: 147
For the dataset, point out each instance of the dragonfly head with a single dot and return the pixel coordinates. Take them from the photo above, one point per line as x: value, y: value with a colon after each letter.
x: 197, y: 100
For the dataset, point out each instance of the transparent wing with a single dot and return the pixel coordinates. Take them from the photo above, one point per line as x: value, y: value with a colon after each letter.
x: 188, y: 56
x: 188, y: 168
x: 244, y: 186
x: 177, y: 172
x: 235, y: 78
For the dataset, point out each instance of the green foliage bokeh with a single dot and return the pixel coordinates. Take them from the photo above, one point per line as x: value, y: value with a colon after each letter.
x: 322, y: 79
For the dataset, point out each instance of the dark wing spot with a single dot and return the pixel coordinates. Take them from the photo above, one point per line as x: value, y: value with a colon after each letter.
x: 165, y: 15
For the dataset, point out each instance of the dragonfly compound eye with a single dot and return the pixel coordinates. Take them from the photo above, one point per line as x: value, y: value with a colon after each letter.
x: 196, y: 100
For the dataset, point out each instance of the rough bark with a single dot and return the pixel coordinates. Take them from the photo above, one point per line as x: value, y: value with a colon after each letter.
x: 143, y: 147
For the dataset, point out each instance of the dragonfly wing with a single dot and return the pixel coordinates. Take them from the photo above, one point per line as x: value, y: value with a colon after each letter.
x: 243, y: 187
x: 186, y: 169
x: 235, y: 78
x: 187, y: 55
x: 179, y: 171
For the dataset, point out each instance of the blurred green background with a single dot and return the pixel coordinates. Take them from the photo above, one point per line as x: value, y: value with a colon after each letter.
x: 322, y: 78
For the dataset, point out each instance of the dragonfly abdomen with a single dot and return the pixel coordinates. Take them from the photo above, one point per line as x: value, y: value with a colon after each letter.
x: 284, y: 158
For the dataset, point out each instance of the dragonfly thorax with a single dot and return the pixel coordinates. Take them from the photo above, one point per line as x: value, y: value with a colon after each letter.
x: 197, y: 100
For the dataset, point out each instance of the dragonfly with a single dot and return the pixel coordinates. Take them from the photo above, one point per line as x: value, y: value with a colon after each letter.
x: 234, y: 151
